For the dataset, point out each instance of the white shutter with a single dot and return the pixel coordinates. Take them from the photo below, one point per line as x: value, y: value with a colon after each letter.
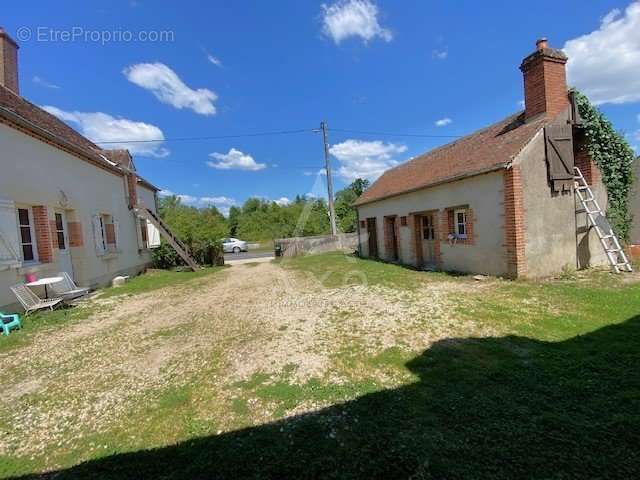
x: 116, y: 233
x: 9, y: 239
x: 153, y: 235
x: 97, y: 235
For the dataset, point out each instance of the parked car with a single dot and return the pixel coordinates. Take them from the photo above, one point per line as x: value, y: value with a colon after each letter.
x: 234, y: 245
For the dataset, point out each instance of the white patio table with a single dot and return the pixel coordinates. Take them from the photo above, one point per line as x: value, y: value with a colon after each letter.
x: 44, y: 282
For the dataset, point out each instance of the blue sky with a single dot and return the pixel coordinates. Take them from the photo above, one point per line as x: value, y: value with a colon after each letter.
x: 233, y: 68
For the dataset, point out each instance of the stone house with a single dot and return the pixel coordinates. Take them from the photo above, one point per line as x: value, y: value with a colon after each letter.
x: 65, y: 203
x: 499, y: 201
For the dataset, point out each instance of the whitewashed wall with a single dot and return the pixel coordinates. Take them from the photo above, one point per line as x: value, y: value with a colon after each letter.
x: 35, y: 173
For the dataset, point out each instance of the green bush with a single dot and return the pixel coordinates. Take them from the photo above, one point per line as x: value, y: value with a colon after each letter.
x: 200, y: 229
x: 614, y: 157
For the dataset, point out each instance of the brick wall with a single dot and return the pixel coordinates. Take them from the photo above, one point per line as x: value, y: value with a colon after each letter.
x: 8, y: 62
x: 545, y: 84
x: 75, y: 234
x: 514, y: 222
x: 132, y: 182
x: 43, y: 234
x: 586, y: 165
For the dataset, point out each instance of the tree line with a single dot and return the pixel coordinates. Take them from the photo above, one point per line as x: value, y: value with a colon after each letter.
x: 257, y: 220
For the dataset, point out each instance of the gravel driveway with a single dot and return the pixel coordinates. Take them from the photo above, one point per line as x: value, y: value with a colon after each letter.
x: 88, y: 377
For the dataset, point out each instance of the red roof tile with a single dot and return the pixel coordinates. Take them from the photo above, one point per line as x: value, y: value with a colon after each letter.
x: 35, y: 118
x: 44, y: 120
x: 488, y: 149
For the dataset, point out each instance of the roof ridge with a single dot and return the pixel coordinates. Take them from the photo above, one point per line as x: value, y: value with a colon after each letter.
x: 486, y: 149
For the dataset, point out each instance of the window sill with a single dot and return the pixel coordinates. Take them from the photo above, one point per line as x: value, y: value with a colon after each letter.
x: 9, y: 264
x: 109, y: 255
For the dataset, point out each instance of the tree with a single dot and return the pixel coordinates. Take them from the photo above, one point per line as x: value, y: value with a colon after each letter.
x: 234, y: 218
x: 346, y: 213
x: 201, y: 230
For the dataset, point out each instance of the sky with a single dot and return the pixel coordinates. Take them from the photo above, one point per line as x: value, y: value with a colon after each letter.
x: 228, y: 96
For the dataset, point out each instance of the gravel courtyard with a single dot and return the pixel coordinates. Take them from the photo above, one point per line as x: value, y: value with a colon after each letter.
x: 239, y: 347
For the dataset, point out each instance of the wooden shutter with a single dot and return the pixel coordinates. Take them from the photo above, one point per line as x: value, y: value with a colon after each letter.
x: 560, y: 159
x: 9, y: 239
x: 153, y: 235
x: 97, y: 234
x: 116, y: 234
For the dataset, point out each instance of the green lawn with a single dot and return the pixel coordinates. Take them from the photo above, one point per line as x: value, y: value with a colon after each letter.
x: 555, y: 394
x: 155, y: 279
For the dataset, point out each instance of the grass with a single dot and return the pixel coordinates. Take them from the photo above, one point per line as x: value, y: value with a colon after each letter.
x: 41, y: 322
x: 155, y: 279
x: 334, y: 270
x: 555, y: 394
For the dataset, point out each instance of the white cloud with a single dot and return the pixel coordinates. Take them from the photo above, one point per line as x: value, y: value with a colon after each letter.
x: 167, y: 86
x: 235, y: 160
x: 102, y: 127
x: 365, y: 159
x: 353, y: 18
x: 309, y: 173
x: 440, y: 54
x: 43, y: 83
x: 283, y: 201
x: 214, y: 60
x: 604, y: 64
x: 222, y: 203
x: 520, y: 104
x: 443, y: 122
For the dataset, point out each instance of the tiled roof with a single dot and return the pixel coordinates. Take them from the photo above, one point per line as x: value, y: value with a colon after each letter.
x: 44, y: 120
x: 488, y: 149
x: 41, y: 122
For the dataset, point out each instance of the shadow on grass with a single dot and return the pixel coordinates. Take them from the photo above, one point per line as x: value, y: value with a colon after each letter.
x: 495, y: 408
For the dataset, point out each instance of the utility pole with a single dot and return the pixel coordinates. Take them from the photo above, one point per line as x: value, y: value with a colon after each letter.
x: 327, y: 165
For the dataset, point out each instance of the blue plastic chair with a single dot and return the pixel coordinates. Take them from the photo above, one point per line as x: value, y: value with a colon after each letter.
x: 9, y: 322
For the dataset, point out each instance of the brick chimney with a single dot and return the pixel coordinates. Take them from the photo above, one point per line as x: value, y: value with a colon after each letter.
x: 8, y: 62
x: 545, y: 81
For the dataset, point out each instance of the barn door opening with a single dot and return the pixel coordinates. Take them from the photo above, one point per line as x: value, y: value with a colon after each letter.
x: 391, y: 238
x: 373, y: 237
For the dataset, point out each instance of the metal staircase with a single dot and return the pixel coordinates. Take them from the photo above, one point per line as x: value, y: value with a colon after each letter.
x: 615, y: 253
x: 164, y: 230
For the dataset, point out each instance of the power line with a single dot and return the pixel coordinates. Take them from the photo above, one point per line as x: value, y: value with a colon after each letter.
x: 274, y: 133
x: 418, y: 135
x: 209, y: 137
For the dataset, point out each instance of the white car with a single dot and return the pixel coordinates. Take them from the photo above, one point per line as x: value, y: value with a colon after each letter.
x: 234, y: 245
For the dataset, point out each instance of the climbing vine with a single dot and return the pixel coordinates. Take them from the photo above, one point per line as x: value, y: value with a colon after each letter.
x: 614, y: 157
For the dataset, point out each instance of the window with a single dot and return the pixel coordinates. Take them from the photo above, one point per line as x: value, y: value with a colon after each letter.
x: 27, y: 234
x: 460, y: 219
x: 60, y: 232
x: 403, y: 221
x: 143, y: 231
x: 105, y: 231
x: 428, y: 230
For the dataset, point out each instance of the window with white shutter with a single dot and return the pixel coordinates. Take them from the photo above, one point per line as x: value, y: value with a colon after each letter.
x: 153, y: 235
x: 99, y: 234
x: 10, y: 250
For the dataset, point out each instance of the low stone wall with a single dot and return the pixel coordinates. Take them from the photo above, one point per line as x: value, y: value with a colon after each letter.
x: 291, y: 247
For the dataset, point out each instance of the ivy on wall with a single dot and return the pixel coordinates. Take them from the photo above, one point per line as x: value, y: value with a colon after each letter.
x: 614, y: 157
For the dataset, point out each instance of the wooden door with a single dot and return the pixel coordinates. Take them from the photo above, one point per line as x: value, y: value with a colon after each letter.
x: 373, y: 237
x: 428, y: 239
x: 391, y: 239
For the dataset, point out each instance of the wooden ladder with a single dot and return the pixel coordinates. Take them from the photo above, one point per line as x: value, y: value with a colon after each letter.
x: 164, y: 230
x: 615, y: 253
